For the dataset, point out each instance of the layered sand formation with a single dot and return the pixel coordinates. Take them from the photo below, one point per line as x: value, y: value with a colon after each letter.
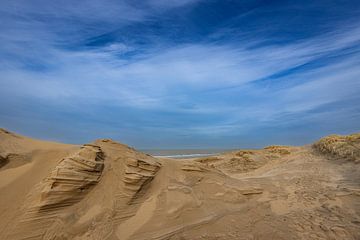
x: 107, y: 190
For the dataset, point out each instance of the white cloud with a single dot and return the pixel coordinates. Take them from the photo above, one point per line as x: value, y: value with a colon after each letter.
x: 153, y: 81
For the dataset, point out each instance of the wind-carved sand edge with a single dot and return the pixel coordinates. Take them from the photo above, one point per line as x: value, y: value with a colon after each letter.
x: 66, y: 185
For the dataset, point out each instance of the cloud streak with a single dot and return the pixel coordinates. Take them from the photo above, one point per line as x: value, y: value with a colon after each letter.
x: 200, y: 88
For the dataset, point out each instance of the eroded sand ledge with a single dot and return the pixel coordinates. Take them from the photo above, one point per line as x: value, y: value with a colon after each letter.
x: 106, y: 190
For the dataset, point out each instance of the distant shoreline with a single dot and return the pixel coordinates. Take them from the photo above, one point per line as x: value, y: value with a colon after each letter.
x: 184, y: 153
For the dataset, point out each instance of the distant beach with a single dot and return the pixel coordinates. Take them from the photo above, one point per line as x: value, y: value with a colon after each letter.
x: 184, y: 153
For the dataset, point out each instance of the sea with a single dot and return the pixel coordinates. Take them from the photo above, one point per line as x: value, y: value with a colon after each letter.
x: 184, y: 153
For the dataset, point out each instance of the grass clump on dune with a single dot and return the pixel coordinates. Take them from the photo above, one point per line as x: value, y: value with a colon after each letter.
x: 345, y: 147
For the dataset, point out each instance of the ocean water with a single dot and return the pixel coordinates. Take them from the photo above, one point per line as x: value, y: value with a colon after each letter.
x: 184, y: 153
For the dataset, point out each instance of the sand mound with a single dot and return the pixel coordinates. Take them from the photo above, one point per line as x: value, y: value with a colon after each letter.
x: 103, y: 179
x: 343, y: 147
x: 245, y: 160
x: 16, y: 150
x: 106, y: 190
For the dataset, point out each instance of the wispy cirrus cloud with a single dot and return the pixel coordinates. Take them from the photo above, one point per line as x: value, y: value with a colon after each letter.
x: 80, y: 60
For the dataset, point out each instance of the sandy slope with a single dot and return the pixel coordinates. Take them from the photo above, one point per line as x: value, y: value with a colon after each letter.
x: 106, y: 190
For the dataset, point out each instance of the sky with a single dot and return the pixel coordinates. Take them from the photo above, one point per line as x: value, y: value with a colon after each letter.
x: 181, y: 74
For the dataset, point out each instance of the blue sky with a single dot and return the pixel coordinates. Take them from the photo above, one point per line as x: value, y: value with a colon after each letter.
x: 180, y: 74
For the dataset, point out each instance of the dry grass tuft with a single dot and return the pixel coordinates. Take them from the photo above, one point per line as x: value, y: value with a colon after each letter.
x: 282, y: 150
x: 345, y: 147
x: 244, y: 153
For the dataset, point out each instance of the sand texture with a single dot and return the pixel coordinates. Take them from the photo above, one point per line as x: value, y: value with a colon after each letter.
x: 107, y: 190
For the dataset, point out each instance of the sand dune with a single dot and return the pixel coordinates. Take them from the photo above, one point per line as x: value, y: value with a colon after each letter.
x: 107, y: 190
